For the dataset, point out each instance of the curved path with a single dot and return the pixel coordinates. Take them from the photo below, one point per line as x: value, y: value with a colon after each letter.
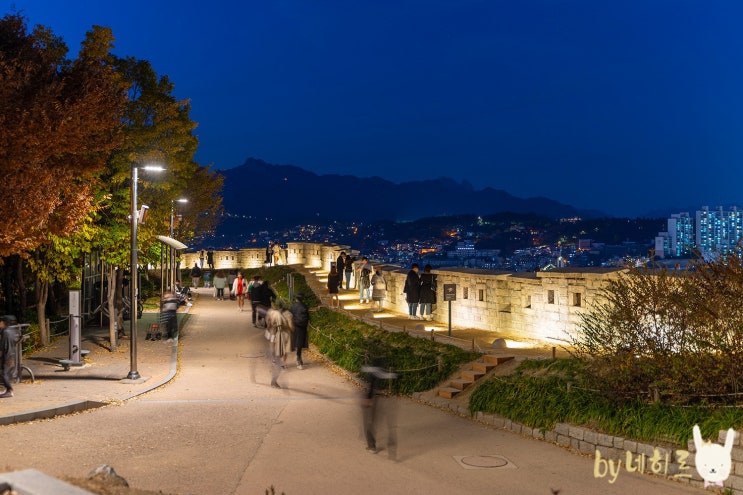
x: 219, y: 428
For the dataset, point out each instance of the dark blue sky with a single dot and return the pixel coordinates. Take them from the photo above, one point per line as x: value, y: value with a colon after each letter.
x: 623, y: 106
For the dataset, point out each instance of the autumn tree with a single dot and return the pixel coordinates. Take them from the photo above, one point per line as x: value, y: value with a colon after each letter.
x: 59, y: 121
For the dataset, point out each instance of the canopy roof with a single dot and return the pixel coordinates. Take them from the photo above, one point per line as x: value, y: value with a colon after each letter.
x: 171, y: 242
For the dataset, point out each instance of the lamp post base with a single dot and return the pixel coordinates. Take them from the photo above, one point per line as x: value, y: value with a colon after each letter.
x: 133, y: 375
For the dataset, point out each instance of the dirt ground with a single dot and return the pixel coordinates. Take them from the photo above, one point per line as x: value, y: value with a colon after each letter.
x: 109, y: 486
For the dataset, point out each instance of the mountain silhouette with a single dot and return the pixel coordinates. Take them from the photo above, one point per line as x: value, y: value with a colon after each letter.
x: 289, y: 195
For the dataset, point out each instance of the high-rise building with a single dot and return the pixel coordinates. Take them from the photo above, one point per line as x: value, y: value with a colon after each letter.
x: 709, y: 231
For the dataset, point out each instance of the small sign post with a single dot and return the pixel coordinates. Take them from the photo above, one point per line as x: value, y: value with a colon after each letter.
x: 450, y: 294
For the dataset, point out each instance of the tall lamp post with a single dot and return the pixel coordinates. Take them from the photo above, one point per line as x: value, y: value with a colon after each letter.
x: 133, y: 373
x: 172, y: 233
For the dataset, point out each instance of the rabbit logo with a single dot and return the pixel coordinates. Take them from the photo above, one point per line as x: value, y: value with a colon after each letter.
x: 713, y: 460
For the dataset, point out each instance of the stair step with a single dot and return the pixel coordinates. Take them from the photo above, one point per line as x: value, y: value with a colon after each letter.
x: 483, y: 366
x: 460, y: 383
x: 448, y: 392
x: 496, y: 359
x: 472, y: 374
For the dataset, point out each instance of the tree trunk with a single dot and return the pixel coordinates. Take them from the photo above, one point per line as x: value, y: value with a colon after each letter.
x: 42, y: 294
x: 21, y: 284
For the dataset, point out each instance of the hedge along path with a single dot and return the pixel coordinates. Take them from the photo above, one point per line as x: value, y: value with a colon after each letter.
x: 352, y: 343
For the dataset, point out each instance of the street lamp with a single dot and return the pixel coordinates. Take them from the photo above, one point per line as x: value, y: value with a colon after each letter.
x: 172, y: 278
x: 133, y: 373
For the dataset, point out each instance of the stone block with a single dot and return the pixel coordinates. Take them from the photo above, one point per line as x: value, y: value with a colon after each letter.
x: 619, y: 442
x: 590, y: 437
x: 575, y: 444
x: 643, y: 448
x: 515, y: 427
x: 563, y: 440
x: 586, y: 447
x: 550, y: 436
x: 499, y: 422
x: 562, y: 429
x: 605, y: 440
x: 576, y: 432
x: 630, y: 446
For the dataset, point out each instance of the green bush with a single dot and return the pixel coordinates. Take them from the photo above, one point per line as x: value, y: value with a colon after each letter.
x: 421, y: 364
x: 537, y: 395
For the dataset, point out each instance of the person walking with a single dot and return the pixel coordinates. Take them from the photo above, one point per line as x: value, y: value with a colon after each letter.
x: 340, y: 265
x: 412, y: 291
x: 168, y: 316
x: 363, y: 280
x: 301, y: 318
x: 334, y: 281
x: 262, y: 296
x: 240, y: 288
x: 220, y: 282
x: 375, y: 405
x: 279, y: 329
x: 379, y: 290
x: 231, y: 276
x: 210, y: 259
x: 202, y: 255
x: 9, y: 336
x: 195, y: 275
x: 427, y: 293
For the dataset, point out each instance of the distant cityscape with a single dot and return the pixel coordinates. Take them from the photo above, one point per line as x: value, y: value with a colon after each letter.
x: 708, y: 233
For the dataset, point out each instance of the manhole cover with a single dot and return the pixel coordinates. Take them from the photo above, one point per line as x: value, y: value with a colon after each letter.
x: 484, y: 462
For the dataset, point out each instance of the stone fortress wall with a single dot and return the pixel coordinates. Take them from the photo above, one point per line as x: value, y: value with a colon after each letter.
x: 544, y: 306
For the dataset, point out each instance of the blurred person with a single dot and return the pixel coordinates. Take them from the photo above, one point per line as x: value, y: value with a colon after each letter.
x: 168, y: 316
x: 9, y: 337
x: 264, y: 297
x: 375, y: 406
x: 301, y: 319
x: 279, y: 328
x: 427, y: 293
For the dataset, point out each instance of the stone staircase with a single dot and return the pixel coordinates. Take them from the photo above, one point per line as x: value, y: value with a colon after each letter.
x: 469, y: 376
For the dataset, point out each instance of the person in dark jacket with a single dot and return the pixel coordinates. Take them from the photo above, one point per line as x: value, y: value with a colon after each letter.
x: 412, y: 291
x: 301, y: 316
x: 348, y: 269
x: 263, y: 295
x: 9, y: 337
x: 340, y: 264
x: 428, y: 293
x: 334, y: 281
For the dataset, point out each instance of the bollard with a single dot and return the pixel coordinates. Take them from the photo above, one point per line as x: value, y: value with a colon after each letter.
x: 473, y: 345
x: 432, y: 335
x: 553, y: 352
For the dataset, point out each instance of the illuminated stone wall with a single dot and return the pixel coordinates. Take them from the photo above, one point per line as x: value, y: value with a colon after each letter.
x: 542, y: 306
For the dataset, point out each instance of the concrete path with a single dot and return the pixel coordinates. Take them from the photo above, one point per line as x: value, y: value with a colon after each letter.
x: 218, y: 428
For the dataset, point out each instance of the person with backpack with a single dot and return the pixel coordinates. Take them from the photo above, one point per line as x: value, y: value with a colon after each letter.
x: 240, y: 289
x: 363, y: 275
x: 427, y: 293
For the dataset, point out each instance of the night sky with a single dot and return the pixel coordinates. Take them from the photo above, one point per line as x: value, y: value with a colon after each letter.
x: 629, y: 107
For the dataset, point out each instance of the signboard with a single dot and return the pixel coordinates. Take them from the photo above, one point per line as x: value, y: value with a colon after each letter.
x: 450, y: 292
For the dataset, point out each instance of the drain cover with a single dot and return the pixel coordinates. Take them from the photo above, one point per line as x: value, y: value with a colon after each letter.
x: 484, y: 462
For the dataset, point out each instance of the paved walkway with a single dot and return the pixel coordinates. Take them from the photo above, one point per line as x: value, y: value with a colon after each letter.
x: 218, y: 427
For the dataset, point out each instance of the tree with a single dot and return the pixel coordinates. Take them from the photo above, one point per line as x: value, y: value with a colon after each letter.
x: 157, y: 128
x: 59, y: 122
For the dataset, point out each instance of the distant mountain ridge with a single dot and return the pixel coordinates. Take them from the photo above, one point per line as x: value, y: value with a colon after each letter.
x: 291, y: 195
